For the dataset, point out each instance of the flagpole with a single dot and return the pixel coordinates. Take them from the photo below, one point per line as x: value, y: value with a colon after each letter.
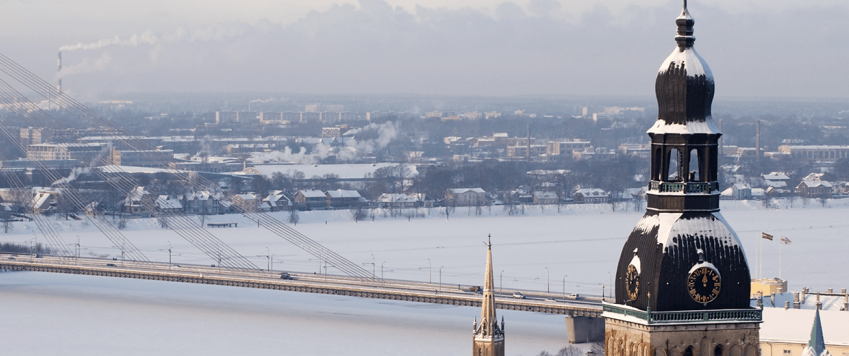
x: 779, y: 258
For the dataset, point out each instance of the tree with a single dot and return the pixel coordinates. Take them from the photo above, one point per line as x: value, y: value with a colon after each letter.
x: 293, y: 217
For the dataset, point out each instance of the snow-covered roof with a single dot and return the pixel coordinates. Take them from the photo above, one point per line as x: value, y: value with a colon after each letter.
x: 757, y: 192
x: 775, y: 184
x: 670, y: 226
x: 463, y: 190
x: 589, y: 192
x: 816, y: 183
x: 545, y: 195
x: 341, y: 193
x: 794, y: 325
x: 727, y: 192
x: 164, y: 202
x: 203, y: 195
x: 776, y: 176
x: 691, y: 127
x: 248, y: 196
x: 691, y: 61
x: 397, y: 198
x: 312, y: 193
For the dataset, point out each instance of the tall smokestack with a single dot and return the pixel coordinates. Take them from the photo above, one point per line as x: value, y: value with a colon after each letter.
x: 59, y: 70
x: 758, y: 140
x: 528, y: 155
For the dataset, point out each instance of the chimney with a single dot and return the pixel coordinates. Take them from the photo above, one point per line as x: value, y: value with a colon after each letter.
x: 830, y: 291
x: 528, y: 156
x: 846, y: 302
x: 758, y: 140
x: 802, y: 297
x: 786, y: 305
x: 796, y: 304
x: 59, y: 70
x: 819, y: 304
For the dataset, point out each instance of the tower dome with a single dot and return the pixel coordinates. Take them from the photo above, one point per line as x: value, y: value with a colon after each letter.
x: 683, y: 255
x: 684, y: 86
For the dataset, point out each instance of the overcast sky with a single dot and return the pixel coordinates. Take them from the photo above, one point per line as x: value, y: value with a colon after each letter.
x: 756, y: 48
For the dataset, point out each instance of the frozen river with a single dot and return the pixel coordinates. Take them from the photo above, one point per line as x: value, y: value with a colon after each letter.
x: 538, y: 250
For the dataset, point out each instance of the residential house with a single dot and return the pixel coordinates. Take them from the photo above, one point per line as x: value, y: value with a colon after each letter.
x: 812, y: 186
x: 412, y: 200
x: 44, y: 201
x: 138, y: 202
x: 741, y: 191
x: 466, y: 197
x: 591, y: 196
x: 276, y: 201
x: 166, y: 204
x: 310, y: 199
x: 341, y: 198
x: 777, y: 180
x: 204, y: 203
x: 546, y: 198
x: 248, y: 202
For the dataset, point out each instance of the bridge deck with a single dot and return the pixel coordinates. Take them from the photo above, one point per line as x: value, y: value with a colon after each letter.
x: 393, y: 290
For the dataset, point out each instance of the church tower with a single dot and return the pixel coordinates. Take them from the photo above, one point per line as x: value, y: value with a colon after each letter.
x: 488, y: 336
x: 682, y: 283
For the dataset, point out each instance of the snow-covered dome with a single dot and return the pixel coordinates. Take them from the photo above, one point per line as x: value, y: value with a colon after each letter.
x: 684, y: 86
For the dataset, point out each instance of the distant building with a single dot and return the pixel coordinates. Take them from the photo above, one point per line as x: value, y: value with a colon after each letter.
x: 522, y: 151
x: 591, y: 196
x: 168, y: 205
x: 334, y: 131
x: 776, y: 180
x: 400, y: 200
x: 34, y: 136
x: 310, y: 199
x: 812, y: 186
x: 341, y: 198
x: 83, y: 152
x: 204, y: 203
x: 818, y: 152
x: 138, y: 202
x: 556, y: 148
x: 546, y: 198
x: 276, y: 201
x: 466, y: 196
x: 141, y: 158
x: 248, y: 203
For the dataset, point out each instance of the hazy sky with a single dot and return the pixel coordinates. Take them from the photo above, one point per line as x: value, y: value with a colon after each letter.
x: 756, y: 48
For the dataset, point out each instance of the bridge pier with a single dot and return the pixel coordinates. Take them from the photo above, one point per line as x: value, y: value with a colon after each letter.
x: 581, y: 329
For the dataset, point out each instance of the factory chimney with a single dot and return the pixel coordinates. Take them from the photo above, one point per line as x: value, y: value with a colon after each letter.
x: 528, y: 154
x: 758, y: 140
x: 59, y: 70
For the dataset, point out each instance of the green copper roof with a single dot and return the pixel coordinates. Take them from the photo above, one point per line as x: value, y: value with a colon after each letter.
x: 817, y: 342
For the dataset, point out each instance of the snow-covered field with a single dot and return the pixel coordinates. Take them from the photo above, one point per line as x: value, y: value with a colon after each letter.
x: 536, y: 250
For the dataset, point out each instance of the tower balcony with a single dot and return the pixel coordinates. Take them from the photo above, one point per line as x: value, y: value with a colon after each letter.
x: 684, y: 187
x: 627, y: 313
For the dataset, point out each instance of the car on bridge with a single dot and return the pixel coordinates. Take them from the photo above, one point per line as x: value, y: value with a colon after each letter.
x: 518, y: 295
x: 286, y: 275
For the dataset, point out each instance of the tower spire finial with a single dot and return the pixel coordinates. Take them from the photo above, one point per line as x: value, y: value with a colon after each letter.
x: 685, y: 24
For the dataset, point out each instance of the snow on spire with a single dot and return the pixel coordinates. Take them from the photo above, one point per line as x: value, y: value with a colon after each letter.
x: 816, y: 346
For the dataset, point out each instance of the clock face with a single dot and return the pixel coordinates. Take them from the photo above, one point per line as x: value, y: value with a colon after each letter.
x: 704, y: 284
x: 632, y: 282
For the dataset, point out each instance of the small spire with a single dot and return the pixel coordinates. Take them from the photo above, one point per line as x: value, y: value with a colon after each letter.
x: 817, y: 343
